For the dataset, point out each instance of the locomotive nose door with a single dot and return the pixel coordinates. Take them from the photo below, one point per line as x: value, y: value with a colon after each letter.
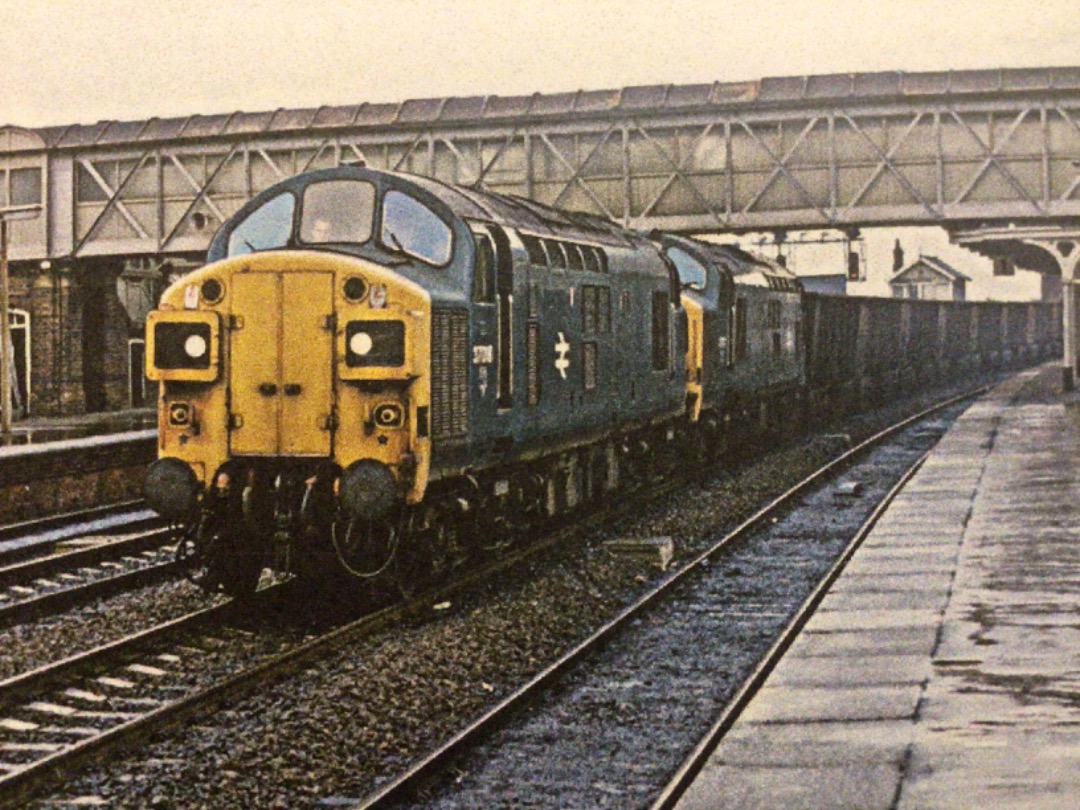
x: 281, y: 364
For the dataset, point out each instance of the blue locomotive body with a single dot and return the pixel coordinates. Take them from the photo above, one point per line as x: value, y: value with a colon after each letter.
x: 464, y: 353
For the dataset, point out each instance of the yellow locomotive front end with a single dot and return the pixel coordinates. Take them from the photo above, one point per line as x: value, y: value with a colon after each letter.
x: 294, y: 390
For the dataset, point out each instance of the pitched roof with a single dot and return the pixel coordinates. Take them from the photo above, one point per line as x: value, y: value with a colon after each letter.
x: 935, y: 265
x: 782, y: 90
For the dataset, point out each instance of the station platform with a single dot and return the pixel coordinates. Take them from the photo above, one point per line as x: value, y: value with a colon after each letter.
x: 942, y: 670
x: 40, y: 430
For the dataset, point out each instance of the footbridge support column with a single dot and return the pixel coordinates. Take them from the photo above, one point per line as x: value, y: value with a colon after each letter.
x: 1066, y: 253
x: 1049, y: 249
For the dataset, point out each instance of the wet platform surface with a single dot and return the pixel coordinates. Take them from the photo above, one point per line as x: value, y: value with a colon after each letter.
x: 942, y: 670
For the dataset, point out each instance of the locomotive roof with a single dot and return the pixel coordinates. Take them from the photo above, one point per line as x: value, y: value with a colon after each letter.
x: 511, y: 211
x: 744, y: 266
x: 521, y: 213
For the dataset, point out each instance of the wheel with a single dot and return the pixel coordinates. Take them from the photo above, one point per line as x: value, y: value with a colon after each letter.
x: 414, y: 567
x: 426, y: 553
x: 222, y: 560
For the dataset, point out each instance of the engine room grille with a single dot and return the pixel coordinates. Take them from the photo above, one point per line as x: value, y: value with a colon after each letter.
x: 449, y: 373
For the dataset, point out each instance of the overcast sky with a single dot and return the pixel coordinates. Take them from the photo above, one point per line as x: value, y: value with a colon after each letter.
x: 80, y: 61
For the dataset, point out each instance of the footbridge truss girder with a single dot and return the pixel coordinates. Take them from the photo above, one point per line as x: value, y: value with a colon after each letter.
x: 949, y: 149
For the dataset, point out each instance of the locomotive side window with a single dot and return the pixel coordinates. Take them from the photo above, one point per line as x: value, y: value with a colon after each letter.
x: 411, y: 227
x: 535, y: 248
x: 534, y: 300
x: 660, y: 331
x: 773, y: 314
x: 484, y: 276
x: 337, y: 211
x: 738, y: 321
x: 592, y: 263
x: 774, y: 324
x: 267, y: 227
x: 573, y: 255
x: 556, y: 255
x: 504, y: 282
x: 691, y: 272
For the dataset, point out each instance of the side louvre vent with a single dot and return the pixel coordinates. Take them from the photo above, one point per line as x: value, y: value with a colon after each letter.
x: 449, y: 373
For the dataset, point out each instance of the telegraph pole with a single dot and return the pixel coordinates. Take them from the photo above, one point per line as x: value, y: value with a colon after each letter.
x: 8, y: 214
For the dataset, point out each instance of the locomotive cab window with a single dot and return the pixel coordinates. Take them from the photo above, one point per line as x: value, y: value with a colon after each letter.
x: 337, y: 211
x: 692, y: 273
x: 267, y: 227
x: 412, y: 228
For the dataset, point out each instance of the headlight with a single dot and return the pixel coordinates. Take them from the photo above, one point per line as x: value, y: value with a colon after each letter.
x: 374, y: 343
x: 181, y: 345
x: 212, y: 291
x: 196, y: 346
x: 389, y: 415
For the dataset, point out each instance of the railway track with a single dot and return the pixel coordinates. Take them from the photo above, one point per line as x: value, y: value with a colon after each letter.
x: 42, y: 536
x: 63, y: 715
x: 592, y: 728
x: 74, y: 694
x: 93, y: 705
x: 51, y: 565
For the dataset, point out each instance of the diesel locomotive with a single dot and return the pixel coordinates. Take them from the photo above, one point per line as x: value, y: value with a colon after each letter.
x: 383, y: 375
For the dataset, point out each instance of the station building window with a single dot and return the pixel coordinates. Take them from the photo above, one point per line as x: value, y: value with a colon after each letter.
x: 19, y: 323
x: 23, y: 186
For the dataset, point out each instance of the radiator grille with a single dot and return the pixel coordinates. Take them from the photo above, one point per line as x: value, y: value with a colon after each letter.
x: 532, y: 362
x: 449, y: 373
